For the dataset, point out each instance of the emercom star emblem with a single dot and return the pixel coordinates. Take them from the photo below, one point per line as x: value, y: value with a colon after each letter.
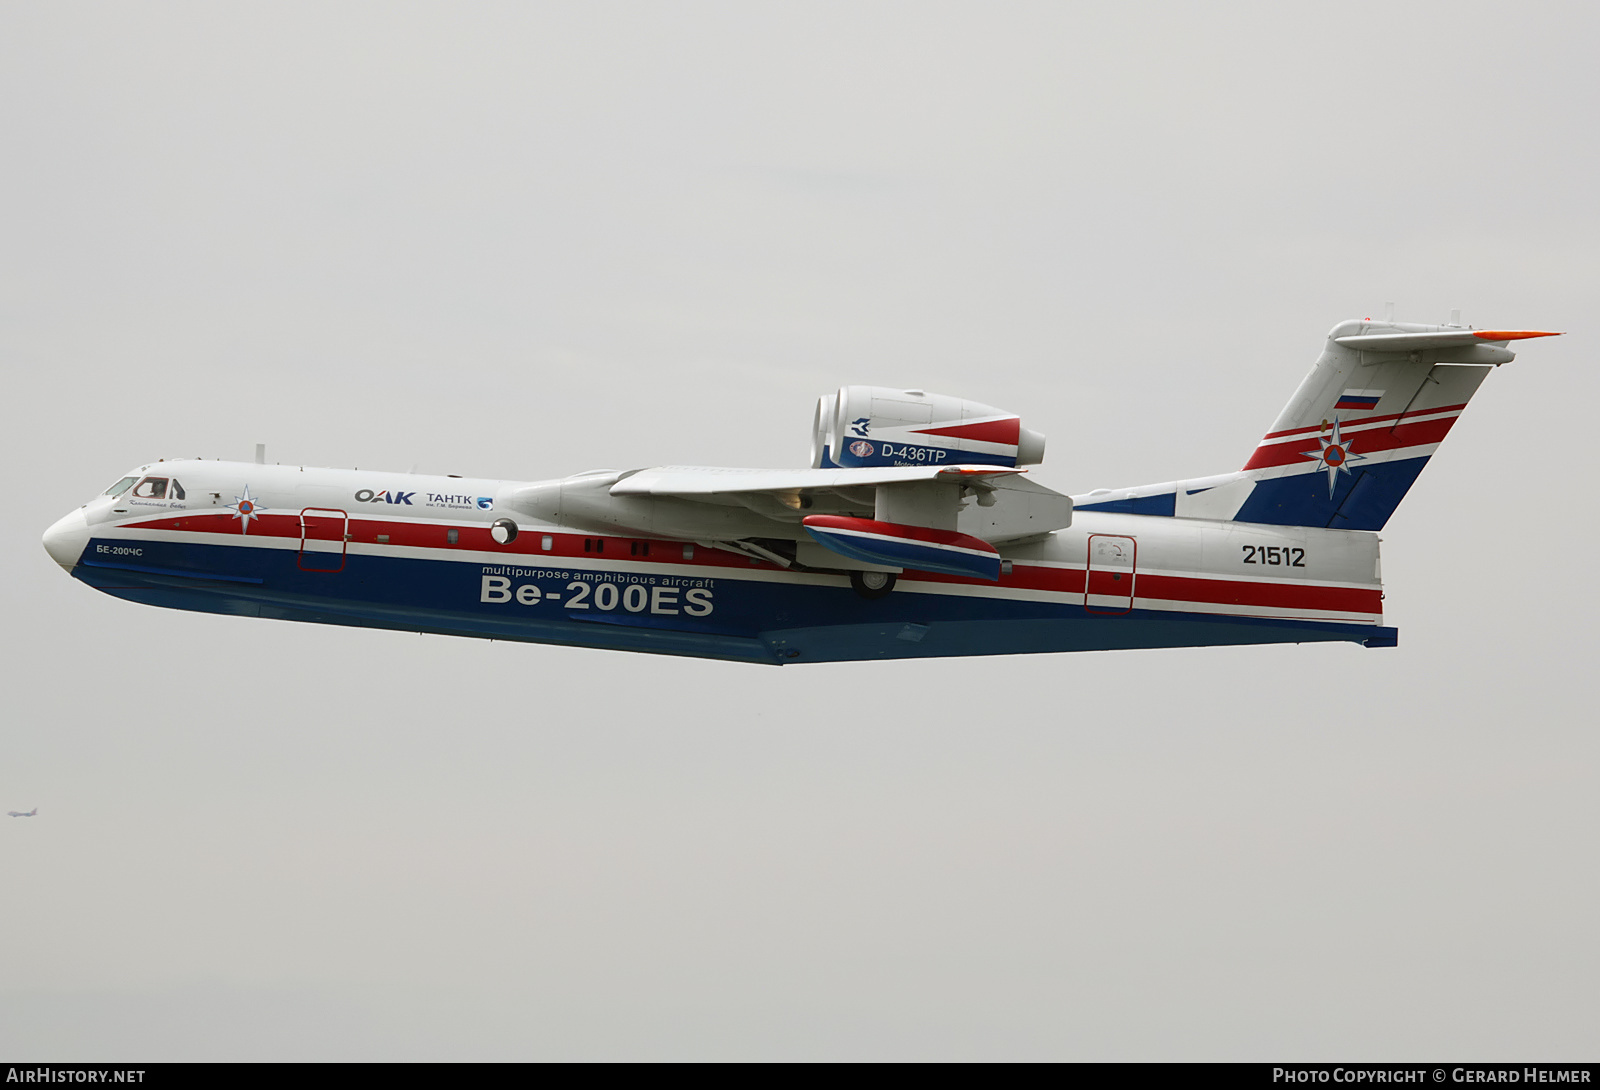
x: 1335, y: 456
x: 245, y: 509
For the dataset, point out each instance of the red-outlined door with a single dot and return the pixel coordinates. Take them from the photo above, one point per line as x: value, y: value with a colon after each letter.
x: 323, y: 534
x: 1109, y: 575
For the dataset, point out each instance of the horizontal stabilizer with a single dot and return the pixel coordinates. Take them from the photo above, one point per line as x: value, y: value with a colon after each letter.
x: 895, y: 545
x: 1455, y: 338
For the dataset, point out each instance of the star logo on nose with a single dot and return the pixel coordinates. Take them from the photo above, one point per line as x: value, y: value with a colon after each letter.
x: 1334, y: 455
x: 244, y: 508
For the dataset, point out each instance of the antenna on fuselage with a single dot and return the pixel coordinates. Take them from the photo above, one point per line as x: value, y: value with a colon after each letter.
x: 261, y: 454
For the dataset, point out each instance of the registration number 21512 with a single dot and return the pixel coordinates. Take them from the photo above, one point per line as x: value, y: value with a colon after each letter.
x: 1275, y: 555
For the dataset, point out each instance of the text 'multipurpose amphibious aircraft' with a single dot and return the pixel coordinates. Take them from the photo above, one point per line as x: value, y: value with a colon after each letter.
x: 914, y: 533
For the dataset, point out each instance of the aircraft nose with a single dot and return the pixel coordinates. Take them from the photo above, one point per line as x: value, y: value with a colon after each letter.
x: 64, y: 541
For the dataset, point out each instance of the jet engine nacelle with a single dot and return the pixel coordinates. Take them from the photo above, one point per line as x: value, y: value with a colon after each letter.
x: 879, y: 426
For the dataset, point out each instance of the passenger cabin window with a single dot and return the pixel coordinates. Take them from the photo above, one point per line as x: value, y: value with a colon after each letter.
x: 121, y: 486
x: 151, y: 488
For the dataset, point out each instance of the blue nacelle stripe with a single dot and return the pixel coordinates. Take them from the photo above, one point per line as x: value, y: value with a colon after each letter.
x: 913, y: 454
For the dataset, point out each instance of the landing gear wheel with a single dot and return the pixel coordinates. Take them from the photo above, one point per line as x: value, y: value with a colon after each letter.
x: 872, y: 585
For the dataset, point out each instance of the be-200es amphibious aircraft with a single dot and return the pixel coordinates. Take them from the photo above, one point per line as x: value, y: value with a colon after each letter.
x: 914, y: 533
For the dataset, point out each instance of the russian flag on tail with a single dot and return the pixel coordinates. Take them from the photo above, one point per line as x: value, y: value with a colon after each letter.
x: 1359, y: 399
x: 897, y: 546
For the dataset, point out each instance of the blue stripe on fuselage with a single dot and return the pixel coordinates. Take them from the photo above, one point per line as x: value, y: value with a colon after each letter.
x: 1164, y: 503
x: 749, y: 620
x: 1362, y: 499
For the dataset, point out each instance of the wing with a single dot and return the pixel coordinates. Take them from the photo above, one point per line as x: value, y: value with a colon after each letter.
x: 707, y: 503
x: 693, y: 482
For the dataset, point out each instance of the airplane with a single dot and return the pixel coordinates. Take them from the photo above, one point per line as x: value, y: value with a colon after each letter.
x: 22, y: 813
x: 914, y: 533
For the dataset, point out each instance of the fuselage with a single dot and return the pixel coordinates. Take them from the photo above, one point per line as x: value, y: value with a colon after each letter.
x: 424, y: 553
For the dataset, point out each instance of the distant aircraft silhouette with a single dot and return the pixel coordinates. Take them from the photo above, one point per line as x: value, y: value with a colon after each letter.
x: 19, y: 813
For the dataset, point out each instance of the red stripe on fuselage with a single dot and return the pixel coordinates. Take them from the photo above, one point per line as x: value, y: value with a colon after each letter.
x: 1196, y: 590
x: 1189, y: 590
x: 470, y: 537
x: 1182, y: 588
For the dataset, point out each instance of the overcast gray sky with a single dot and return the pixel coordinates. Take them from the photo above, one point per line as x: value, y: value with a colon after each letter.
x: 526, y: 240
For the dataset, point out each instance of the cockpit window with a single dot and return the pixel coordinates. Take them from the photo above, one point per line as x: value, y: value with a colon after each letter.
x: 177, y: 490
x: 151, y: 488
x: 121, y: 486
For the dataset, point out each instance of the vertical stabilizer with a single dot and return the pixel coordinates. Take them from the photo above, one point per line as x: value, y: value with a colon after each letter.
x: 1347, y: 447
x: 1363, y: 424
